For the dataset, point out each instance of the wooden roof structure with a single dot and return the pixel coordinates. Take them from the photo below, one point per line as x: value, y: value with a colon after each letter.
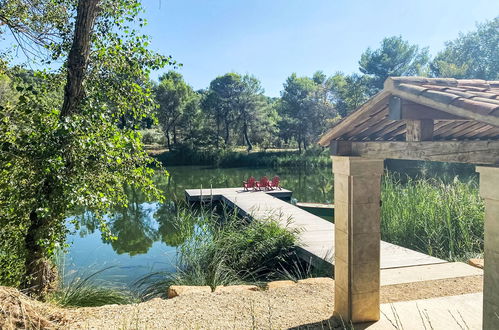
x: 440, y: 119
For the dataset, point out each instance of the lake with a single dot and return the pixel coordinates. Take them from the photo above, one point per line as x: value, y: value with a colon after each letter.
x: 147, y: 242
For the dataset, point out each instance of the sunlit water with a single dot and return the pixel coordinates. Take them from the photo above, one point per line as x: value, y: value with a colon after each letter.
x: 146, y: 241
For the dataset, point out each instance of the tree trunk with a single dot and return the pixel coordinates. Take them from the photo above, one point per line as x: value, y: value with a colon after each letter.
x: 168, y: 143
x: 226, y: 133
x: 174, y: 135
x: 40, y: 272
x: 78, y: 56
x: 298, y: 139
x: 246, y: 137
x: 218, y: 133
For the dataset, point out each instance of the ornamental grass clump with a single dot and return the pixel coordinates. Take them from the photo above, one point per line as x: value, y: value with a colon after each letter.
x: 442, y: 219
x: 87, y: 291
x: 226, y: 250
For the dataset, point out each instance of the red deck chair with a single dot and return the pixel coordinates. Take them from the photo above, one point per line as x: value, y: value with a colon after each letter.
x: 263, y: 183
x: 250, y: 184
x: 275, y: 183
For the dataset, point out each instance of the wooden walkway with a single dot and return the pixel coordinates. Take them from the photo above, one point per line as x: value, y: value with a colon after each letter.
x: 316, y: 240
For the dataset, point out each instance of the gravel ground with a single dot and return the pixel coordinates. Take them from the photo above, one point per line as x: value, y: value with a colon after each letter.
x: 280, y: 308
x: 306, y: 305
x: 300, y: 306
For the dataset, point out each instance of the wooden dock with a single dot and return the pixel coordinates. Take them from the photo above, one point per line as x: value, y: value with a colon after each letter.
x: 316, y: 240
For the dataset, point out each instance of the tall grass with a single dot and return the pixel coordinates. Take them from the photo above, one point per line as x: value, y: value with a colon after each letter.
x: 442, y: 219
x: 86, y: 291
x: 223, y: 250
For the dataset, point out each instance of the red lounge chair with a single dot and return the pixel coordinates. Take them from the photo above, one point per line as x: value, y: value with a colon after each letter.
x: 274, y: 183
x: 263, y: 183
x: 250, y: 184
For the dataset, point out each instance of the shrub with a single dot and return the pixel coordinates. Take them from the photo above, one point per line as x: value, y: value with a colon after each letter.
x: 148, y: 138
x: 226, y: 157
x: 226, y: 250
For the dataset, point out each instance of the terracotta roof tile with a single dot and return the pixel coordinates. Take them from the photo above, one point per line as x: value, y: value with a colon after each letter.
x: 474, y: 100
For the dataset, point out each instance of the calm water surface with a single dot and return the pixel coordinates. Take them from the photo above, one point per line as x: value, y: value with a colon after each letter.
x: 147, y: 241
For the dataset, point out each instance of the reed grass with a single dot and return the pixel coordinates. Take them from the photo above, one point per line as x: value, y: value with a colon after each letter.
x: 441, y: 218
x: 87, y: 291
x: 225, y: 250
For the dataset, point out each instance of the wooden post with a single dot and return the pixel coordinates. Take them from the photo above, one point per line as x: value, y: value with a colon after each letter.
x: 357, y: 193
x: 489, y: 190
x: 419, y: 130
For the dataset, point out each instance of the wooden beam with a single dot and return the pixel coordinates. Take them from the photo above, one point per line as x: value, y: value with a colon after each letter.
x: 340, y: 148
x: 419, y: 130
x: 472, y: 152
x: 403, y: 109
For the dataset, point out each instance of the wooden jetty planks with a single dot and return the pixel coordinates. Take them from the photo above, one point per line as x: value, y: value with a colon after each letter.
x: 316, y: 234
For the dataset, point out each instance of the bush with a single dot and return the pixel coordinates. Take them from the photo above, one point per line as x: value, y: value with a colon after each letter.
x: 153, y: 136
x: 226, y: 250
x: 148, y: 138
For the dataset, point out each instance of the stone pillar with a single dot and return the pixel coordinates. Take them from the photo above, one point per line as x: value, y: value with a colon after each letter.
x: 489, y: 190
x: 357, y: 194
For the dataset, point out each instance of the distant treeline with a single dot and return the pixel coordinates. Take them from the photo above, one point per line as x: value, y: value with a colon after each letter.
x: 233, y: 109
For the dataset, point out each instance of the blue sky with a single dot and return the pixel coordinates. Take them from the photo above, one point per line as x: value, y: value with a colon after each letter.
x: 273, y: 38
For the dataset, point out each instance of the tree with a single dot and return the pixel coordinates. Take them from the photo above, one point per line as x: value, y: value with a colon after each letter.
x: 395, y: 57
x: 220, y: 102
x: 349, y: 91
x: 193, y: 121
x: 250, y: 103
x: 471, y: 55
x: 304, y: 108
x: 67, y: 152
x: 237, y: 105
x: 172, y: 95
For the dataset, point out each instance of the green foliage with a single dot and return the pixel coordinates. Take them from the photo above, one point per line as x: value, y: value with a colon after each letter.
x: 304, y: 108
x: 175, y: 99
x: 472, y: 55
x: 52, y: 163
x: 236, y: 107
x: 12, y: 254
x: 441, y: 219
x: 395, y: 57
x: 349, y: 91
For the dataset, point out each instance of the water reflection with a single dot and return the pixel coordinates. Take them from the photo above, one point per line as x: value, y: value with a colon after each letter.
x: 174, y: 227
x: 148, y: 232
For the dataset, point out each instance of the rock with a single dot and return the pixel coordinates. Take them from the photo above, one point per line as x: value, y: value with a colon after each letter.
x: 279, y: 284
x: 317, y: 280
x: 178, y: 290
x: 236, y: 288
x: 476, y: 263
